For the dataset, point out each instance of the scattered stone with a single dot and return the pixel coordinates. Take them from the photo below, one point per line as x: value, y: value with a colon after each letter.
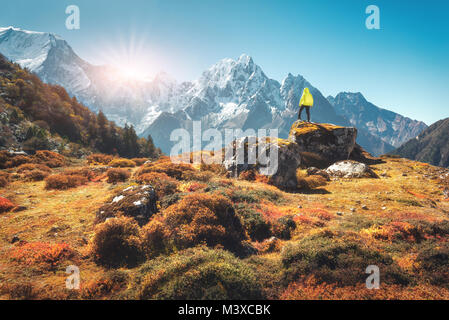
x: 404, y: 174
x: 351, y: 169
x: 446, y: 192
x: 299, y: 206
x: 19, y: 209
x: 364, y: 207
x: 339, y: 213
x: 384, y: 208
x: 15, y: 239
x: 353, y: 210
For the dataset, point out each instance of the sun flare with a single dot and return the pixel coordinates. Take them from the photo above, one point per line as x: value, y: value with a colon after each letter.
x: 131, y: 72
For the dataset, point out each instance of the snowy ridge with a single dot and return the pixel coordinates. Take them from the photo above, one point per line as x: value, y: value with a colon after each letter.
x: 230, y: 94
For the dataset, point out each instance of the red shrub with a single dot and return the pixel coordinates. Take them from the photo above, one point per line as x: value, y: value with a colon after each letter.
x: 99, y: 158
x: 122, y: 163
x: 3, y: 182
x: 139, y: 161
x: 35, y: 175
x: 174, y: 170
x: 5, y: 205
x: 32, y: 166
x: 195, y: 219
x: 162, y: 184
x: 117, y: 175
x: 249, y: 175
x: 8, y: 160
x: 116, y: 242
x: 49, y: 158
x: 63, y: 182
x: 41, y: 253
x: 84, y: 172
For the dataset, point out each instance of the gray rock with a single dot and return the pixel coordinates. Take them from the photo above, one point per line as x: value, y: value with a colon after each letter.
x: 284, y: 166
x: 138, y: 202
x: 15, y: 239
x: 350, y: 169
x: 330, y: 142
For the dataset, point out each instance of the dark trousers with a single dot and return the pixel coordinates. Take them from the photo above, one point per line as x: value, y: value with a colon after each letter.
x: 307, y: 111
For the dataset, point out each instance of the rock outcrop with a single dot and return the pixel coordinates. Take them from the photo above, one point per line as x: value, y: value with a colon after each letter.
x: 351, y: 169
x: 138, y: 202
x: 332, y: 143
x: 281, y: 168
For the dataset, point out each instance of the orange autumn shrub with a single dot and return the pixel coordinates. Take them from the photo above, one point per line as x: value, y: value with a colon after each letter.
x: 3, y: 182
x: 99, y: 158
x: 41, y: 254
x: 8, y: 160
x: 116, y: 243
x: 195, y: 219
x: 35, y: 175
x: 262, y: 178
x: 4, y: 179
x: 306, y: 182
x: 218, y: 169
x: 117, y: 175
x: 5, y: 205
x: 162, y: 183
x: 310, y: 289
x: 32, y: 166
x: 64, y: 182
x: 110, y: 283
x: 192, y: 186
x: 5, y: 175
x: 140, y: 161
x: 174, y: 170
x: 249, y: 175
x: 49, y: 158
x: 122, y: 163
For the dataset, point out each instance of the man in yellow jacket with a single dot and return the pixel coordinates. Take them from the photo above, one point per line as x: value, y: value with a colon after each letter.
x: 305, y: 102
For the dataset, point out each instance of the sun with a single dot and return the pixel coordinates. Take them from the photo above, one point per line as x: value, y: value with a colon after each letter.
x: 129, y: 56
x: 131, y: 72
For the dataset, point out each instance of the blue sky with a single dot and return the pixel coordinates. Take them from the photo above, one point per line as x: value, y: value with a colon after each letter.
x: 403, y: 67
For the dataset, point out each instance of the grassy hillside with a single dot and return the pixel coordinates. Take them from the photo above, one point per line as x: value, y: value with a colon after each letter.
x: 216, y: 237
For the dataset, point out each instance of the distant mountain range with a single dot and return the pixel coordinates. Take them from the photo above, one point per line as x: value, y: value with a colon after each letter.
x: 431, y: 146
x: 230, y: 94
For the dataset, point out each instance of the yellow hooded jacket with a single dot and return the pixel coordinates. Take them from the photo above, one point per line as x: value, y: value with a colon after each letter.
x: 306, y: 98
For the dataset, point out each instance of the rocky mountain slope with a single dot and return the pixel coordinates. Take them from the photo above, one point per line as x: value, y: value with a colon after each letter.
x: 394, y: 129
x: 431, y: 146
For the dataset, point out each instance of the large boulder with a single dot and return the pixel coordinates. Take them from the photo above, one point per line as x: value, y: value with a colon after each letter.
x: 330, y: 142
x: 138, y: 202
x: 280, y: 169
x: 350, y: 169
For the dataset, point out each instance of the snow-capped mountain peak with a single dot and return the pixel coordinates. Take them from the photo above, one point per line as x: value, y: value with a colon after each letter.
x: 30, y: 49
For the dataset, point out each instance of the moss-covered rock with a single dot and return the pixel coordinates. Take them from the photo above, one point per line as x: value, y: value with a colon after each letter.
x: 138, y: 202
x: 332, y: 143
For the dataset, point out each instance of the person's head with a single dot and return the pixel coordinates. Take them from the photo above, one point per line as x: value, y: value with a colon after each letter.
x: 306, y: 90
